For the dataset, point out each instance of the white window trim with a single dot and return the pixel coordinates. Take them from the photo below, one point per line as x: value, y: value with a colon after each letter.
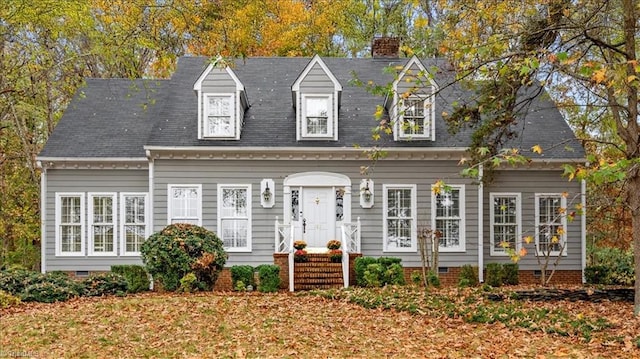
x: 414, y: 216
x: 428, y: 120
x: 204, y: 110
x: 170, y: 187
x: 246, y: 187
x: 492, y: 196
x: 114, y: 224
x: 563, y: 223
x: 331, y: 115
x: 463, y: 224
x: 58, y: 209
x: 123, y: 214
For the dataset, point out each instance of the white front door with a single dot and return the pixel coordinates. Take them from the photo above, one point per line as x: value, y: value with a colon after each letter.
x: 318, y: 217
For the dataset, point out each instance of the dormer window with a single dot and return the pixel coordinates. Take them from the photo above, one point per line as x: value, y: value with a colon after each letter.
x: 316, y: 98
x: 317, y: 118
x: 219, y: 116
x: 415, y: 118
x: 222, y: 102
x: 412, y: 108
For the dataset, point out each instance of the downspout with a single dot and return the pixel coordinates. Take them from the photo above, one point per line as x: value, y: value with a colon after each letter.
x: 480, y: 224
x: 150, y: 207
x: 150, y: 223
x: 43, y: 217
x: 583, y: 226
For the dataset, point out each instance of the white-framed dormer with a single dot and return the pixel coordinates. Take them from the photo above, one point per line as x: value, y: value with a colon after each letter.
x: 316, y: 99
x: 412, y: 108
x: 222, y: 101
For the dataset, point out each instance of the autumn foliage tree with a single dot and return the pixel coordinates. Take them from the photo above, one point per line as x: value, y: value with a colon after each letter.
x: 585, y: 52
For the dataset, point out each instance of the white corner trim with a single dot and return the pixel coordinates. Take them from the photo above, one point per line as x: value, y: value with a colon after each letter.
x: 481, y: 223
x: 43, y: 218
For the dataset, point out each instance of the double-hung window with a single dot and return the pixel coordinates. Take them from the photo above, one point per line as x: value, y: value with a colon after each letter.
x: 219, y: 116
x: 133, y: 222
x: 185, y: 204
x: 505, y: 222
x: 70, y: 219
x: 415, y: 118
x: 317, y: 119
x: 234, y: 217
x: 102, y: 224
x: 551, y: 224
x: 400, y: 210
x: 448, y: 208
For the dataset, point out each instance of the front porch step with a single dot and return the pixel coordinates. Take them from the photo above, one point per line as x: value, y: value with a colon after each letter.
x: 318, y: 273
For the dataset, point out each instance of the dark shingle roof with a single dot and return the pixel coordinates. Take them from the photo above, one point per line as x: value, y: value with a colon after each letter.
x: 108, y: 121
x: 107, y: 118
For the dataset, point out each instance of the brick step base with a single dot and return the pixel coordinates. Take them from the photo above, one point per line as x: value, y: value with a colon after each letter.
x: 318, y: 273
x: 317, y: 286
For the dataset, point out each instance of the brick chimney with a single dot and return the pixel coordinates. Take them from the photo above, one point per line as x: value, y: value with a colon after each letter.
x: 385, y: 48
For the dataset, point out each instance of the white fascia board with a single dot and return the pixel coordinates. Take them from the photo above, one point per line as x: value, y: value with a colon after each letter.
x: 316, y: 60
x: 91, y: 159
x: 260, y: 149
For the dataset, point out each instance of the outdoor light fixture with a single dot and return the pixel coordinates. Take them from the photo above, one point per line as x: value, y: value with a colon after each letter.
x: 366, y: 193
x: 267, y: 192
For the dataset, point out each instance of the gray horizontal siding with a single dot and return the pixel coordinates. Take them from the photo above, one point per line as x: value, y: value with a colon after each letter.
x: 528, y: 184
x: 210, y: 173
x: 317, y: 81
x: 218, y: 81
x: 85, y: 181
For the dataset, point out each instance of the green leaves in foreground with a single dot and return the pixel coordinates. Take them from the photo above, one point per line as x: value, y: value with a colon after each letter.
x: 472, y: 306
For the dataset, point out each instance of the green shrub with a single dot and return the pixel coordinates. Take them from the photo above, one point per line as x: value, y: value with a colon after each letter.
x: 135, y: 275
x: 387, y: 270
x: 244, y: 274
x: 8, y: 300
x: 494, y: 274
x: 597, y: 274
x: 48, y: 292
x: 16, y: 280
x: 416, y: 277
x: 269, y: 278
x: 393, y: 274
x: 240, y: 286
x: 468, y: 276
x: 188, y: 283
x: 180, y: 249
x: 433, y: 279
x: 361, y: 264
x: 104, y: 284
x: 372, y: 275
x: 510, y: 273
x: 619, y: 264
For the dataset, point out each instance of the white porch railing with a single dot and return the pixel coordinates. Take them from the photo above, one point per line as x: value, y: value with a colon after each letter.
x: 350, y: 244
x: 284, y: 244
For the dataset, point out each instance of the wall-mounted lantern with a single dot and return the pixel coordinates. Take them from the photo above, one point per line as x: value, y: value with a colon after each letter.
x: 267, y: 193
x: 366, y: 193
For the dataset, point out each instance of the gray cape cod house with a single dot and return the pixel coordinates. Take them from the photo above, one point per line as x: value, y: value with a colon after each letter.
x: 265, y: 151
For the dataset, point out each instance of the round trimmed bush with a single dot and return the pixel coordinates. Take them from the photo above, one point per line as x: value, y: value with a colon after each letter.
x: 180, y: 249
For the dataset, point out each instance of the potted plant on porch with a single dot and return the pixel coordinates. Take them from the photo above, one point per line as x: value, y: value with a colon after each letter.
x: 300, y: 255
x: 335, y: 254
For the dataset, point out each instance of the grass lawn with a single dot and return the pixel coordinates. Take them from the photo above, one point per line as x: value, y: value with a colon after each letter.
x: 220, y: 325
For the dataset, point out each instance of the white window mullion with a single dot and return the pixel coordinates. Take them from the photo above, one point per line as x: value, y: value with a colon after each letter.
x: 184, y: 204
x: 399, y: 218
x: 551, y: 222
x: 70, y: 224
x: 234, y: 217
x: 133, y: 222
x: 448, y: 217
x: 505, y: 218
x: 102, y: 224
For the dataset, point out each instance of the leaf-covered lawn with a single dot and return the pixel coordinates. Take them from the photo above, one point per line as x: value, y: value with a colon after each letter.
x: 284, y: 325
